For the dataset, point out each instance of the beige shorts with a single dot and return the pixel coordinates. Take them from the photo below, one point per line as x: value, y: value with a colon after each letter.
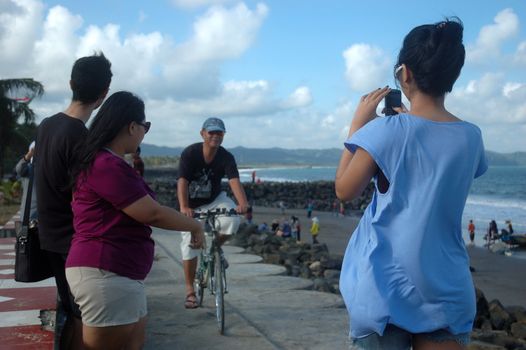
x: 105, y: 298
x: 226, y: 225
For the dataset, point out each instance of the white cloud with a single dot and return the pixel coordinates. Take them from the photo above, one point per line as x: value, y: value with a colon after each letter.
x: 492, y: 36
x: 20, y: 26
x: 520, y: 54
x: 192, y: 4
x: 54, y: 53
x: 220, y: 34
x: 367, y: 67
x: 497, y: 106
x: 301, y: 97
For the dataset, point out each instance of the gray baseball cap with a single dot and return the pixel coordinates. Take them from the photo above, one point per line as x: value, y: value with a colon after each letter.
x: 214, y: 124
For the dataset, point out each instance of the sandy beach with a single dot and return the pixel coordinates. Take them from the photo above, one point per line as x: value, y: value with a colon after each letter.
x: 498, y: 276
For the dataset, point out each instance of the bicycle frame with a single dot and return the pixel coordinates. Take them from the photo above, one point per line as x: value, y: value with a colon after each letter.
x: 211, y: 270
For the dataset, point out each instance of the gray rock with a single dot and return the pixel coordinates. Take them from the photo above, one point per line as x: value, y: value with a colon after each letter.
x: 518, y: 330
x: 272, y: 258
x: 482, y: 309
x: 305, y: 272
x: 321, y: 285
x: 315, y: 266
x: 501, y: 338
x: 331, y: 274
x: 500, y: 318
x: 518, y: 313
x: 296, y: 270
x: 478, y: 345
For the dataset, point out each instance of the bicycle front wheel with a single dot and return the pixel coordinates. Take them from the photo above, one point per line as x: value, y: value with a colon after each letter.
x: 201, y: 277
x: 219, y: 272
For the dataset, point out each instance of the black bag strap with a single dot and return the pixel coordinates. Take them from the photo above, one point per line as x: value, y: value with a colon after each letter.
x: 29, y: 192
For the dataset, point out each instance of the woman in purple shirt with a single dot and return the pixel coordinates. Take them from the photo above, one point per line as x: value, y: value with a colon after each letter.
x: 112, y: 252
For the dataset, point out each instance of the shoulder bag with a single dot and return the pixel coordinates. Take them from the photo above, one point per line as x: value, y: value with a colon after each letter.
x: 31, y: 263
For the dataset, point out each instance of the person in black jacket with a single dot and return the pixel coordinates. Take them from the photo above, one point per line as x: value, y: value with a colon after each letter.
x: 58, y: 138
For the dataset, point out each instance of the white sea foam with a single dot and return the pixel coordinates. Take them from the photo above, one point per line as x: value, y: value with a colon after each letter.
x: 496, y: 202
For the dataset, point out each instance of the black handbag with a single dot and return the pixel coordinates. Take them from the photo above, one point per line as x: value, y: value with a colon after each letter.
x: 31, y: 263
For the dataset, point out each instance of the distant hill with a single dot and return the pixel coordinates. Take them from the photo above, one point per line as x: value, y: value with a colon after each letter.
x: 320, y: 157
x: 511, y: 159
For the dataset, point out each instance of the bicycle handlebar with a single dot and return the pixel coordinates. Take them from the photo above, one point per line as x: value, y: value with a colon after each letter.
x: 214, y: 213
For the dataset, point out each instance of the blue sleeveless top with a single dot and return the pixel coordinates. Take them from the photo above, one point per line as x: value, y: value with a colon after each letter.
x: 406, y: 263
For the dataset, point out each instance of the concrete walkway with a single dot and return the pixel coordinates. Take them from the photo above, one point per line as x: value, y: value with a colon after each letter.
x: 263, y: 310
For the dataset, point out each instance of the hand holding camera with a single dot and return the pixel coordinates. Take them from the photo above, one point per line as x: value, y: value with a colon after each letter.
x: 366, y: 110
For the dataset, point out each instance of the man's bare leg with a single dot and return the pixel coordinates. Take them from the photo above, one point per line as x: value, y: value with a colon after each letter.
x: 189, y: 267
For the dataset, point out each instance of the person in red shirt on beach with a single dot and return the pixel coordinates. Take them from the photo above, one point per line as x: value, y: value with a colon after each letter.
x: 471, y: 230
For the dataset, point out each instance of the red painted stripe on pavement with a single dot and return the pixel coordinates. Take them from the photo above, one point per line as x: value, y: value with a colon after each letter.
x: 41, y: 298
x: 26, y: 338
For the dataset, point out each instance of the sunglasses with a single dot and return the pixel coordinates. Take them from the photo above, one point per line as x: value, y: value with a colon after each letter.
x: 218, y: 133
x: 398, y: 70
x: 146, y: 126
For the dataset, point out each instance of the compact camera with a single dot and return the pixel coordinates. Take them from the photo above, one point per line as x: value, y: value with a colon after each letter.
x: 393, y: 99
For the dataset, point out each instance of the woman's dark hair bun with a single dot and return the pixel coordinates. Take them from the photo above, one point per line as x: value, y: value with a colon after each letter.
x: 435, y: 54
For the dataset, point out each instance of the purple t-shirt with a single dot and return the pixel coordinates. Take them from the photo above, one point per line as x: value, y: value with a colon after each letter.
x: 105, y: 237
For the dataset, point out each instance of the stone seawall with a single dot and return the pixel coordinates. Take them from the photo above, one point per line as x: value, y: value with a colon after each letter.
x: 294, y: 195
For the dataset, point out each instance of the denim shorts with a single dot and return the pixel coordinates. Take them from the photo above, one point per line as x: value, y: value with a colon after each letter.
x: 395, y: 338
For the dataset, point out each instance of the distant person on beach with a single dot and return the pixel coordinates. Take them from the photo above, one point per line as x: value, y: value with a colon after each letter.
x: 263, y: 227
x: 201, y: 168
x: 342, y: 209
x: 282, y: 207
x: 138, y: 164
x: 493, y: 231
x: 248, y: 215
x: 253, y: 176
x: 58, y: 138
x: 286, y: 229
x: 24, y: 170
x: 392, y: 279
x: 296, y: 227
x: 315, y: 230
x: 310, y: 208
x: 112, y: 251
x: 471, y: 230
x: 335, y: 207
x: 510, y: 227
x: 274, y: 226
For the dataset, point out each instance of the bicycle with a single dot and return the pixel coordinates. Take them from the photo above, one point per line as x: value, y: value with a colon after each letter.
x: 211, y: 270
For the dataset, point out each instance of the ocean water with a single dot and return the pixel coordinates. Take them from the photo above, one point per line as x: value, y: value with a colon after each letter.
x: 500, y: 195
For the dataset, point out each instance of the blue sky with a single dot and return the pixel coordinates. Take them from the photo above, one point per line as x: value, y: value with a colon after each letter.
x: 280, y: 73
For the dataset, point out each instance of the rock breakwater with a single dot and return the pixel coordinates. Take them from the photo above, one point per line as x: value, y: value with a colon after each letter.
x: 294, y: 195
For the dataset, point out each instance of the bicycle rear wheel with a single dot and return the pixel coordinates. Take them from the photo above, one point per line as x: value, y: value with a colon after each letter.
x: 219, y: 291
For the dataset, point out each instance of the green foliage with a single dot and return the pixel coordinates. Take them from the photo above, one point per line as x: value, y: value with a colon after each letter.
x: 11, y: 192
x: 15, y: 97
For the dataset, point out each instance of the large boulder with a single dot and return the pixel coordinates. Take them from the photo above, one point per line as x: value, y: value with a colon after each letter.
x: 482, y: 309
x: 499, y: 316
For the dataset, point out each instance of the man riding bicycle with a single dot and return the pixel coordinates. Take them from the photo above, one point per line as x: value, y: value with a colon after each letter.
x: 201, y: 168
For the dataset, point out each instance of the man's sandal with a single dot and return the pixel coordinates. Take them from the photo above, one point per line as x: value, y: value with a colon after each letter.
x: 191, y: 301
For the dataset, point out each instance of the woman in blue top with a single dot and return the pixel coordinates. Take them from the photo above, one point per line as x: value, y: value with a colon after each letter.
x: 405, y: 276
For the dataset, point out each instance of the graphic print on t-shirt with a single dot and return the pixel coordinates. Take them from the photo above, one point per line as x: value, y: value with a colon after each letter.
x: 202, y: 187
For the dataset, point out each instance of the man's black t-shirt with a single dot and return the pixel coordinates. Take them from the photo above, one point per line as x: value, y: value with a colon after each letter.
x: 204, y: 180
x: 57, y: 142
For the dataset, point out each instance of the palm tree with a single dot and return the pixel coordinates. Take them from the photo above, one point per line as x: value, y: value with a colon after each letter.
x: 11, y: 108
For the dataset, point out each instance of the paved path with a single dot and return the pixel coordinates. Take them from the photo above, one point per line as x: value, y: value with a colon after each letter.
x: 21, y: 305
x: 264, y: 309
